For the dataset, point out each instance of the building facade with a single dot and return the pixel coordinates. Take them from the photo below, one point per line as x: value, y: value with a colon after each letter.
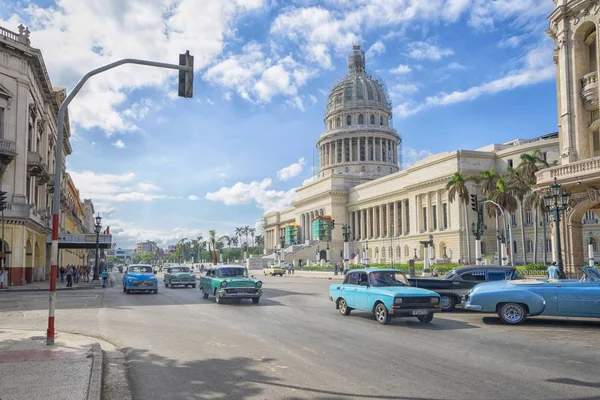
x: 573, y: 27
x: 391, y: 212
x: 28, y: 125
x: 146, y: 247
x: 88, y: 215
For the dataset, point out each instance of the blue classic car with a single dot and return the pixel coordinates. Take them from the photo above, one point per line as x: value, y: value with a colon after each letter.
x: 513, y: 301
x: 140, y: 278
x: 385, y: 293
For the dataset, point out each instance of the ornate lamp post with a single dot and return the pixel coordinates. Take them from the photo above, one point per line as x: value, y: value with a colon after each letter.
x: 591, y: 249
x: 282, y: 243
x: 502, y: 252
x: 366, y: 258
x: 346, y: 232
x: 97, y: 229
x: 556, y: 201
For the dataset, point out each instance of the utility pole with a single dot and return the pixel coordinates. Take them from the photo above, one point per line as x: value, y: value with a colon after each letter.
x: 186, y: 64
x: 2, y: 207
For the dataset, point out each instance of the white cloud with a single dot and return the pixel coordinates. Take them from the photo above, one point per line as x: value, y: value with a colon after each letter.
x: 193, y: 197
x: 411, y: 156
x: 455, y: 66
x: 401, y: 69
x: 376, y: 48
x: 313, y: 99
x: 399, y: 90
x: 427, y: 51
x: 99, y: 33
x: 255, y: 191
x: 114, y: 187
x: 537, y: 67
x: 119, y: 144
x: 511, y: 41
x: 291, y: 171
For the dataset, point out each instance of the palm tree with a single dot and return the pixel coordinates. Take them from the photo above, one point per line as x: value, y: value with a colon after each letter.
x: 260, y: 241
x: 535, y: 202
x: 503, y: 196
x: 239, y: 232
x: 487, y: 183
x: 246, y: 232
x: 252, y: 233
x: 520, y: 187
x: 457, y: 188
x: 529, y: 165
x: 197, y: 243
x: 212, y: 246
x: 234, y: 241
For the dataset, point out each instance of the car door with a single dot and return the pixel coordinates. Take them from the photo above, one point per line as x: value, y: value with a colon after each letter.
x: 348, y: 287
x: 578, y: 298
x: 467, y: 280
x: 361, y: 292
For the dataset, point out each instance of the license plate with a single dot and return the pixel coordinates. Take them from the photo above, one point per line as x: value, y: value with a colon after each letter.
x: 420, y: 312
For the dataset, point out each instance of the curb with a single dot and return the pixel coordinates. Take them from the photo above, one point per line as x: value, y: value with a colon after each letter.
x: 95, y: 385
x: 48, y: 289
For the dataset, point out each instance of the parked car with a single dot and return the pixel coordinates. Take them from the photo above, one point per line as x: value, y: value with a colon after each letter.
x: 273, y: 270
x: 514, y: 301
x: 384, y: 292
x: 230, y: 282
x: 455, y: 284
x: 179, y: 276
x: 140, y: 278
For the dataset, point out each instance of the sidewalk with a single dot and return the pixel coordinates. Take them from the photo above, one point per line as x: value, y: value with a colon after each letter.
x: 314, y: 274
x: 30, y: 369
x: 45, y: 286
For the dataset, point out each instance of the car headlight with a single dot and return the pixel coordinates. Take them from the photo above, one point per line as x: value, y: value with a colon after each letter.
x: 398, y: 300
x: 224, y: 283
x: 129, y: 280
x: 435, y: 300
x: 258, y: 284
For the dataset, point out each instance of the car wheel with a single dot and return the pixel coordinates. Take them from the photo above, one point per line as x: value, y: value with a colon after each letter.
x: 218, y: 299
x: 425, y: 319
x: 193, y: 286
x: 343, y: 307
x: 512, y: 313
x: 123, y: 289
x: 255, y: 300
x: 165, y: 282
x: 155, y: 291
x: 447, y: 303
x: 381, y: 314
x: 186, y: 286
x: 204, y: 294
x: 127, y: 291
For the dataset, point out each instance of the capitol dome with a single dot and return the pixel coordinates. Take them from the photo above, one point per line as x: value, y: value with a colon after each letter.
x: 359, y: 139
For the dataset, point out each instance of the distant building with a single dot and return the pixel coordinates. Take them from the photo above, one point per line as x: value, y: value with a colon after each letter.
x: 88, y: 215
x: 148, y: 246
x: 171, y: 249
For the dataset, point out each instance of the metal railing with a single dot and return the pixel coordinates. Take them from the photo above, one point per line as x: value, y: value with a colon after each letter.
x: 21, y: 37
x: 590, y: 165
x: 8, y: 146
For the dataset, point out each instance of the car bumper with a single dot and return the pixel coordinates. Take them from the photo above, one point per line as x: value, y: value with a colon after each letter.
x: 223, y: 293
x: 412, y: 312
x: 142, y: 288
x: 472, y: 307
x: 174, y: 282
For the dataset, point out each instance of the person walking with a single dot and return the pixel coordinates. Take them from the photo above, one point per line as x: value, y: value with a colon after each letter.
x: 336, y: 269
x: 553, y: 271
x: 62, y: 274
x: 69, y: 276
x: 104, y: 278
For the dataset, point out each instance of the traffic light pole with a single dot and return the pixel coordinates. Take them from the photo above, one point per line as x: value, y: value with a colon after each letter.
x: 50, y: 333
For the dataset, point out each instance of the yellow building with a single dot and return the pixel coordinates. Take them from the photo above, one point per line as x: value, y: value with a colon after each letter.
x: 72, y: 222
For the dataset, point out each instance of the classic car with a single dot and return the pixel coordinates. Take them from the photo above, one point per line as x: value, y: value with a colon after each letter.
x: 230, y: 282
x: 515, y: 300
x: 140, y: 278
x: 455, y: 284
x: 179, y: 276
x: 273, y: 270
x: 385, y: 293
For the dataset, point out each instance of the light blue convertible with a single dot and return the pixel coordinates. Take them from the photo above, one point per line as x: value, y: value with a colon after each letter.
x: 385, y: 293
x: 140, y: 278
x: 514, y: 300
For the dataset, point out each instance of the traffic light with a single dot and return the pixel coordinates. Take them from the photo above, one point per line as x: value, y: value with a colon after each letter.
x: 186, y: 78
x: 474, y: 205
x: 333, y: 224
x: 2, y: 200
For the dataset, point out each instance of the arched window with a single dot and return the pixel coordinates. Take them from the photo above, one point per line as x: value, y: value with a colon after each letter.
x: 405, y: 250
x: 361, y: 119
x: 348, y: 120
x: 338, y: 122
x: 330, y: 124
x: 372, y: 119
x: 548, y: 245
x: 590, y: 41
x: 381, y: 120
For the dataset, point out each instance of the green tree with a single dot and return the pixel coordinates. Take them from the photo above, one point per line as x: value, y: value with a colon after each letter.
x: 252, y: 233
x: 535, y: 202
x: 503, y: 195
x: 529, y: 165
x: 212, y: 246
x: 520, y: 188
x: 457, y: 189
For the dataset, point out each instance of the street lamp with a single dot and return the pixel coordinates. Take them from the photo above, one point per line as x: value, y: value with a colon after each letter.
x: 97, y: 229
x: 502, y: 248
x: 591, y: 260
x: 366, y: 259
x: 556, y: 201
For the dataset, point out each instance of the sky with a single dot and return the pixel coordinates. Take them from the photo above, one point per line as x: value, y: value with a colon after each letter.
x: 460, y: 73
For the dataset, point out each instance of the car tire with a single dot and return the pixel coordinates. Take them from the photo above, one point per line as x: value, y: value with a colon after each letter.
x: 447, y: 302
x: 255, y: 300
x: 127, y: 291
x: 155, y: 291
x: 512, y: 313
x: 218, y: 299
x: 185, y: 286
x: 381, y: 314
x: 425, y: 319
x: 343, y: 307
x: 204, y: 294
x: 193, y: 286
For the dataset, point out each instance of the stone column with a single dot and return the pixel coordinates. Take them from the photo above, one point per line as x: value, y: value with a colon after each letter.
x: 396, y: 218
x: 369, y: 227
x: 363, y: 225
x: 355, y: 224
x: 380, y: 221
x: 351, y: 148
x: 406, y: 216
x: 429, y: 216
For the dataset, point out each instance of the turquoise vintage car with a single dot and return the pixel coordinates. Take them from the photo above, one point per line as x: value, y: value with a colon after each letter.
x: 384, y: 292
x: 230, y: 282
x: 140, y: 278
x: 179, y: 276
x: 514, y: 301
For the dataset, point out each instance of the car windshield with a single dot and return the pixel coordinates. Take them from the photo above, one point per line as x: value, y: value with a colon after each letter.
x: 516, y: 275
x: 180, y: 269
x: 231, y: 272
x: 450, y: 275
x: 386, y: 278
x: 593, y: 275
x: 140, y: 269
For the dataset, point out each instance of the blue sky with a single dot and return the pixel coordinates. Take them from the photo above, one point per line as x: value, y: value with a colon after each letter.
x: 460, y: 73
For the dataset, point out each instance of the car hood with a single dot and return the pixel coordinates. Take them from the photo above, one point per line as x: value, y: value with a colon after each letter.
x: 240, y: 282
x: 140, y: 275
x: 403, y: 291
x: 181, y: 274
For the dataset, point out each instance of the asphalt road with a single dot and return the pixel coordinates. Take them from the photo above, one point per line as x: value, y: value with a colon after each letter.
x: 295, y: 345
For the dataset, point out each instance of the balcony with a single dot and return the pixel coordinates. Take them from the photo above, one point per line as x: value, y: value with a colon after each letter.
x: 25, y: 211
x: 589, y: 91
x: 8, y: 152
x: 590, y: 221
x: 37, y: 168
x: 575, y: 172
x: 81, y: 241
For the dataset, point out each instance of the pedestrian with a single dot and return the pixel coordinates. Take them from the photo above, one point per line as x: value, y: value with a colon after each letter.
x: 104, y: 278
x: 69, y: 276
x: 335, y: 269
x: 76, y: 274
x: 62, y: 274
x: 435, y: 272
x: 289, y: 268
x: 553, y: 271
